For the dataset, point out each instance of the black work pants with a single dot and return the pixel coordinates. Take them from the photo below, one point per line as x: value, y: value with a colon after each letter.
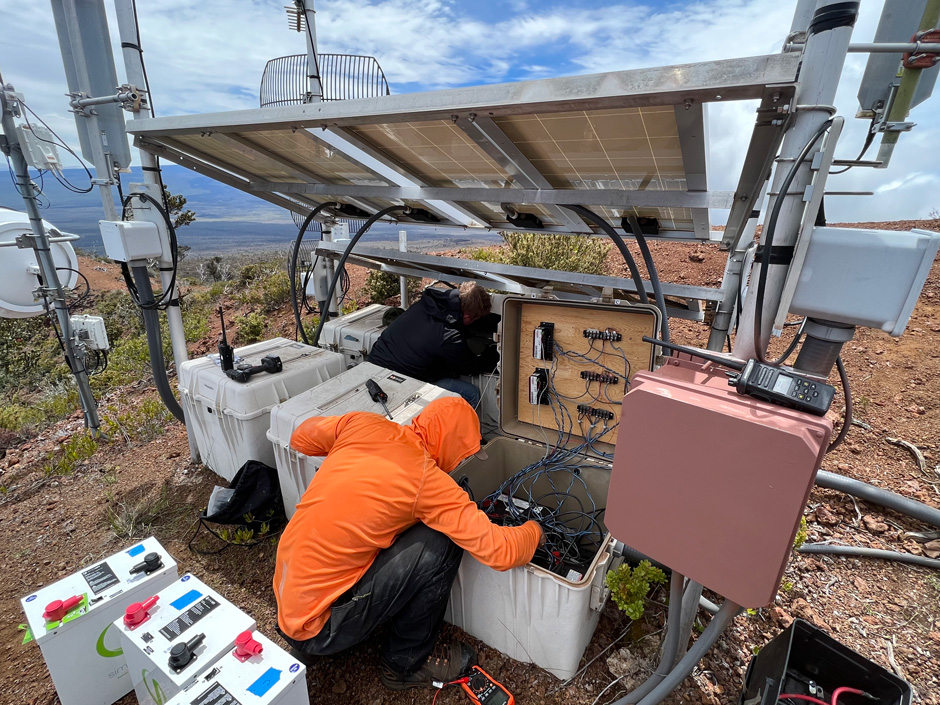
x: 406, y: 588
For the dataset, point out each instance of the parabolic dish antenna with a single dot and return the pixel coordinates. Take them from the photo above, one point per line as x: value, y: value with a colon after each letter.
x: 18, y: 266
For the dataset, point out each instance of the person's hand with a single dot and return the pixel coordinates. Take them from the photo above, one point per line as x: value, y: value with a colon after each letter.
x: 541, y: 535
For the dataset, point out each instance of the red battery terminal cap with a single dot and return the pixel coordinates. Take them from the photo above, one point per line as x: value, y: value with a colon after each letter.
x: 246, y: 646
x: 139, y: 612
x: 57, y: 609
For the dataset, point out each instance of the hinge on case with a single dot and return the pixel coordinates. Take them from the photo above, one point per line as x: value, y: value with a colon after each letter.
x: 547, y: 292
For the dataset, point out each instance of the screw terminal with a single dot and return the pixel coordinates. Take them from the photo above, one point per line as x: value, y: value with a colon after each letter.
x: 603, y: 377
x: 606, y: 334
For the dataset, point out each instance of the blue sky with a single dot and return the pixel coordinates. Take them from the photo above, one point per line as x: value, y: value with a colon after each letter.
x: 209, y: 56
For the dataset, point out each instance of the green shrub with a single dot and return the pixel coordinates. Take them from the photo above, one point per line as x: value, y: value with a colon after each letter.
x: 141, y: 424
x: 571, y: 253
x: 249, y: 329
x: 381, y: 286
x: 56, y: 402
x: 487, y: 254
x: 70, y: 454
x: 629, y: 586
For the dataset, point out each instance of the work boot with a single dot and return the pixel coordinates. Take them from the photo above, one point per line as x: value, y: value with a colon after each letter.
x: 447, y: 663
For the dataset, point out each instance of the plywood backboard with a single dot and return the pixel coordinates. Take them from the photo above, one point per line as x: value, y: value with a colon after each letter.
x: 575, y: 353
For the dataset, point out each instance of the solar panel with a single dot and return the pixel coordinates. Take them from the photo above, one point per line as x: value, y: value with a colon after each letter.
x: 622, y: 143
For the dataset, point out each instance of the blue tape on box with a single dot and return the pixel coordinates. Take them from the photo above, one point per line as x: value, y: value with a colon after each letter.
x: 136, y: 551
x: 186, y: 600
x: 267, y: 681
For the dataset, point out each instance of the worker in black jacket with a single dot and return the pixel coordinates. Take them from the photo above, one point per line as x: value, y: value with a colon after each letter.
x: 429, y: 340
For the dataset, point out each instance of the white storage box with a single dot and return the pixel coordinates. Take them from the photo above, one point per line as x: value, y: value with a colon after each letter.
x: 81, y: 649
x: 864, y: 277
x: 271, y: 677
x: 407, y: 397
x: 229, y: 419
x: 184, y: 611
x: 354, y: 334
x: 529, y: 613
x: 488, y: 408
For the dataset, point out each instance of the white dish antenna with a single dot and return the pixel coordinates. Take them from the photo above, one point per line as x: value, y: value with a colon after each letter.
x: 19, y: 271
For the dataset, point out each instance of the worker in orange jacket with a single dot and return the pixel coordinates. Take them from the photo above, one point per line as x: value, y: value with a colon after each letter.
x: 378, y: 536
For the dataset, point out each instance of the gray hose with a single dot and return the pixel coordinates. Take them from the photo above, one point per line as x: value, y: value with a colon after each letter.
x: 154, y: 342
x: 876, y: 495
x: 870, y: 553
x: 670, y: 646
x: 706, y: 641
x: 654, y: 274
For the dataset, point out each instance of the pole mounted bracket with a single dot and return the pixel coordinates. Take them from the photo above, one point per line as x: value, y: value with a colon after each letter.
x: 919, y: 59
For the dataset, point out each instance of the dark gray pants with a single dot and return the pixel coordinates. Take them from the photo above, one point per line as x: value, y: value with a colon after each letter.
x: 406, y: 588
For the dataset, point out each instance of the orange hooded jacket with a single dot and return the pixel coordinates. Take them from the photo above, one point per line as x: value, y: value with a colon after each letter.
x: 377, y: 480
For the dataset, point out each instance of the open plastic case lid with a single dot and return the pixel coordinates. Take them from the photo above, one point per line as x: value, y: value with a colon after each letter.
x: 520, y: 316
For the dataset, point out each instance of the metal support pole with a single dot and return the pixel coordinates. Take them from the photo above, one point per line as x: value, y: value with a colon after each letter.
x: 403, y: 281
x: 51, y: 286
x: 134, y: 68
x: 314, y: 84
x: 823, y: 59
x: 104, y: 169
x: 905, y: 95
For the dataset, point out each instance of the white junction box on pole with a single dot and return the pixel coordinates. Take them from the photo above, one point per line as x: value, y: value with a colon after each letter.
x: 175, y: 636
x: 229, y: 419
x: 130, y: 240
x: 407, y: 397
x: 71, y: 621
x: 255, y: 672
x: 354, y: 334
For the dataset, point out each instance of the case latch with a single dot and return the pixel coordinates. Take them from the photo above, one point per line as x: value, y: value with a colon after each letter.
x: 607, y: 295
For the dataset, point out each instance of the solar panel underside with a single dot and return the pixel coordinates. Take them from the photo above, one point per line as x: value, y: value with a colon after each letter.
x: 627, y: 148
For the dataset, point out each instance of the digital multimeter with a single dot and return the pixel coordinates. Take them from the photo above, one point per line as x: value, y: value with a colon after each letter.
x: 783, y: 388
x: 483, y: 690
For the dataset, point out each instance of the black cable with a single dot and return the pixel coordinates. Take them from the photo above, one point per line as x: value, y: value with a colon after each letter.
x: 87, y: 287
x: 868, y: 142
x: 292, y: 267
x: 166, y: 298
x: 654, y: 275
x: 847, y: 418
x: 63, y: 181
x: 342, y: 263
x: 837, y: 550
x: 621, y: 245
x: 769, y: 240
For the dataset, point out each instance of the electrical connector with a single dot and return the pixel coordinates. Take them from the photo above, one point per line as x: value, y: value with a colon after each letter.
x: 606, y: 334
x: 591, y: 412
x: 602, y: 377
x: 538, y: 386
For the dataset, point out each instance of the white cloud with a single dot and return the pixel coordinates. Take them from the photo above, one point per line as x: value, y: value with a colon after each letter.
x: 209, y: 56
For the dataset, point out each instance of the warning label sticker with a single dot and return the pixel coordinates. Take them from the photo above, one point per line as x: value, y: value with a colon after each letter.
x: 179, y: 625
x: 215, y: 695
x: 100, y: 577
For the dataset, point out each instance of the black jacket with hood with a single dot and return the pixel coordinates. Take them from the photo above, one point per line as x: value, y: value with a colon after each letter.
x: 428, y: 341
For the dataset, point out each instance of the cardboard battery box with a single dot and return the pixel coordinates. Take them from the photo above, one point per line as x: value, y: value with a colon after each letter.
x: 229, y: 419
x: 174, y: 636
x: 71, y: 621
x: 255, y: 672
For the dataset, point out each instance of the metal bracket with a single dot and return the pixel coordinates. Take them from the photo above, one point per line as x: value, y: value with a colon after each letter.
x: 607, y: 295
x: 897, y: 127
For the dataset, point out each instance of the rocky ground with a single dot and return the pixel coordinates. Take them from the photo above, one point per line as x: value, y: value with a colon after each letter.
x: 51, y: 524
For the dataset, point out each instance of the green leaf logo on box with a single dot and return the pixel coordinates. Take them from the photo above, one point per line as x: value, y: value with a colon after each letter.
x: 103, y: 650
x: 156, y: 692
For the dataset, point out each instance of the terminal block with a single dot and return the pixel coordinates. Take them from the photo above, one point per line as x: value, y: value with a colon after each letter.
x: 606, y: 334
x: 591, y: 412
x: 538, y: 386
x: 603, y: 377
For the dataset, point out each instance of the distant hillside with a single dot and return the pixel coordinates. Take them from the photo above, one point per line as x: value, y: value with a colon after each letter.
x: 227, y: 220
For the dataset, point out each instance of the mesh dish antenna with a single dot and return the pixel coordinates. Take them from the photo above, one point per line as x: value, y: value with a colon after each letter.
x: 89, y: 69
x: 19, y: 271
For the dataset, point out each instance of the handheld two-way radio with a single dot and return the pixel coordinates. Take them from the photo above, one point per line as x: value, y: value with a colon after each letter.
x: 226, y: 353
